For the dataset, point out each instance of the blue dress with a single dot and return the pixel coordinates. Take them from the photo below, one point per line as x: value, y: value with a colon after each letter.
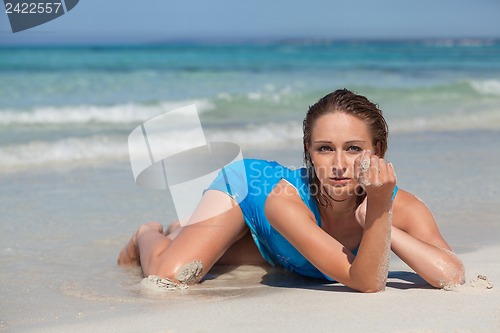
x: 249, y: 182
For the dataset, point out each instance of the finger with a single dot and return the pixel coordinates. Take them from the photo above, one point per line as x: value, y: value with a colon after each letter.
x: 382, y: 172
x: 391, y: 173
x: 374, y: 171
x: 364, y: 168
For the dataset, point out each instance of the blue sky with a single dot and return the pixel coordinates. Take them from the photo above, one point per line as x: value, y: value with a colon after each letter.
x: 126, y: 21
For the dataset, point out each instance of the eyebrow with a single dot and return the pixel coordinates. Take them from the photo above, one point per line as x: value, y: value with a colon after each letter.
x: 347, y: 142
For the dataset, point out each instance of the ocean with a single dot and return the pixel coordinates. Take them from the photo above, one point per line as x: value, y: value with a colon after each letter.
x: 68, y: 200
x: 73, y: 105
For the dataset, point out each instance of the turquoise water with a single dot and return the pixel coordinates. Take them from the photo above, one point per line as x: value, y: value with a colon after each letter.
x: 78, y: 104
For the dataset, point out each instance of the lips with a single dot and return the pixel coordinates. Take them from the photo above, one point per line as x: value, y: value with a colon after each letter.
x: 339, y: 180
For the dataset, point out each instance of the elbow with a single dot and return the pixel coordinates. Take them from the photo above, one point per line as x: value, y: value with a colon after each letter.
x: 370, y: 283
x: 454, y: 276
x: 179, y: 273
x: 372, y: 289
x: 450, y: 273
x: 459, y: 277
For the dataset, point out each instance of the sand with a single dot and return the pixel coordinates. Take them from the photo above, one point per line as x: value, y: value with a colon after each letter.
x: 250, y: 299
x: 62, y: 229
x: 187, y: 275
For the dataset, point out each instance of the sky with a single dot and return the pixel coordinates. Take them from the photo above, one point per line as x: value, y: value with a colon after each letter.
x: 128, y: 22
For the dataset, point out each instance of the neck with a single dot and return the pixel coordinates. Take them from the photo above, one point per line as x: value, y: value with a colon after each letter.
x: 340, y: 206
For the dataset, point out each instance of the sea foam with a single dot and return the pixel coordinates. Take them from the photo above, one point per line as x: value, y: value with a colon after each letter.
x: 104, y: 149
x: 487, y: 87
x: 81, y: 114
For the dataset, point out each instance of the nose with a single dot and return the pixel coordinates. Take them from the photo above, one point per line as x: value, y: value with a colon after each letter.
x: 339, y: 164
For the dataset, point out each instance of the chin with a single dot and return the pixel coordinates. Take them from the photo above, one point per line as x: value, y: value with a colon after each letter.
x: 340, y: 193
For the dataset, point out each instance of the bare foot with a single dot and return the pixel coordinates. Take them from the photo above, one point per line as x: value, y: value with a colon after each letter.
x: 129, y: 255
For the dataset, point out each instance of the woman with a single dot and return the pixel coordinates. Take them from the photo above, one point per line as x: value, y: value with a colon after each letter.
x: 337, y: 218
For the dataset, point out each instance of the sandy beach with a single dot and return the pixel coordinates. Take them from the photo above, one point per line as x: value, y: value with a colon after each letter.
x: 69, y: 203
x: 250, y: 299
x: 267, y: 302
x: 64, y: 226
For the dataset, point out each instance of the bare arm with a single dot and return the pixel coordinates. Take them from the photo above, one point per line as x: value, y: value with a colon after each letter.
x: 417, y: 241
x: 367, y: 272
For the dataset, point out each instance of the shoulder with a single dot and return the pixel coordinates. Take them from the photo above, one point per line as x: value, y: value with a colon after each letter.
x: 406, y: 205
x: 286, y: 195
x: 412, y: 215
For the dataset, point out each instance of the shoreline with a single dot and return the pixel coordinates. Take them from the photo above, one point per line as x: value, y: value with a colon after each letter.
x: 63, y: 228
x: 275, y: 152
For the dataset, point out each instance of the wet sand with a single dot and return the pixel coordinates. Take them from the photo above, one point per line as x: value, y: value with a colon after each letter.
x: 62, y: 228
x: 251, y: 299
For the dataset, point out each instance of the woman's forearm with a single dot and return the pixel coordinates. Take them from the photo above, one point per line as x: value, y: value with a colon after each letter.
x: 438, y: 266
x: 372, y: 261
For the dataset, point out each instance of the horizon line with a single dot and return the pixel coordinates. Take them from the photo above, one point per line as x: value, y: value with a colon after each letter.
x: 248, y: 40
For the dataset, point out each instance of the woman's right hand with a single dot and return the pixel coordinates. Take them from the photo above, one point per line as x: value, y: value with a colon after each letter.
x: 375, y: 175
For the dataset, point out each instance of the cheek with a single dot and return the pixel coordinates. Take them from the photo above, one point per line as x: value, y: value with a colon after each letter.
x: 321, y: 165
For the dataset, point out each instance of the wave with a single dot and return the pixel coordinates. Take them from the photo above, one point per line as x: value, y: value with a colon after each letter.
x: 270, y: 103
x: 486, y: 87
x: 264, y: 118
x: 271, y: 135
x: 453, y: 122
x: 461, y: 89
x: 105, y: 149
x: 82, y: 114
x: 222, y: 106
x: 65, y: 151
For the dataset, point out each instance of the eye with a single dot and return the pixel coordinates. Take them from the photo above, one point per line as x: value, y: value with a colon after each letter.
x: 354, y: 149
x: 324, y: 149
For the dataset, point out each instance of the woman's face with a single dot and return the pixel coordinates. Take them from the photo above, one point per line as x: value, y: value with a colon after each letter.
x: 337, y: 139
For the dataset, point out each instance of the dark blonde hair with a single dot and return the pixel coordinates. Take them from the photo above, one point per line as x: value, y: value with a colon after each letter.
x: 347, y: 102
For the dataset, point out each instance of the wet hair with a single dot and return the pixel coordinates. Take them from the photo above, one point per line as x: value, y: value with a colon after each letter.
x: 347, y: 102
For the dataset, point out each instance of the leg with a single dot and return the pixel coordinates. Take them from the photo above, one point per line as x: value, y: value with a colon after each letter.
x: 242, y: 252
x: 221, y: 225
